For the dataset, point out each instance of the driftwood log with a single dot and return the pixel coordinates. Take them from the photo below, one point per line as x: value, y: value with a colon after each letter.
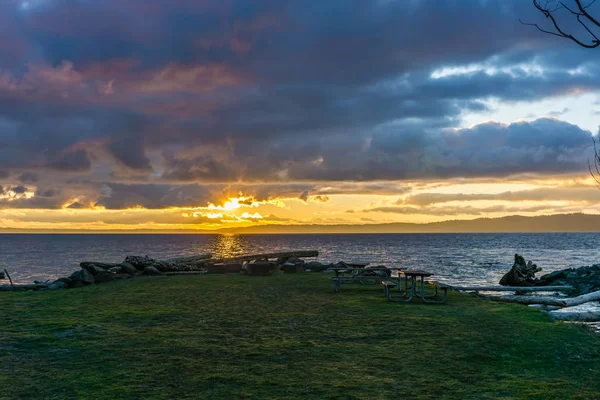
x: 521, y: 273
x: 514, y: 288
x: 266, y: 256
x: 550, y: 301
x: 16, y: 288
x: 582, y: 316
x: 190, y: 259
x: 9, y: 278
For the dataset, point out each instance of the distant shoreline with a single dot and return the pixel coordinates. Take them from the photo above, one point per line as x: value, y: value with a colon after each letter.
x: 558, y: 223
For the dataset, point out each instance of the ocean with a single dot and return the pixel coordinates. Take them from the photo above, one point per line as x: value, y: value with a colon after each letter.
x: 455, y: 258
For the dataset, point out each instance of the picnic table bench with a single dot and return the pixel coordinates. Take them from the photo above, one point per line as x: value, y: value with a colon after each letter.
x: 364, y: 276
x: 416, y: 288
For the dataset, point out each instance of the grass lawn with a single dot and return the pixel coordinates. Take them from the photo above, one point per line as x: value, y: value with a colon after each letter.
x: 282, y: 337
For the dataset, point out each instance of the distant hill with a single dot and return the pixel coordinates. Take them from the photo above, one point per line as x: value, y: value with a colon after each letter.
x: 514, y: 223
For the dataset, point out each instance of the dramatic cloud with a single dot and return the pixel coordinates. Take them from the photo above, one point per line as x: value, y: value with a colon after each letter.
x: 127, y: 104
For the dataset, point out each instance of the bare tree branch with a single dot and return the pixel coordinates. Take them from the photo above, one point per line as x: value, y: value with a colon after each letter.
x: 550, y: 9
x: 595, y: 171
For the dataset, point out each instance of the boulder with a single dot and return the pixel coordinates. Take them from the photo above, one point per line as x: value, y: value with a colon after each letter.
x: 554, y: 276
x: 140, y: 263
x: 92, y: 268
x: 104, y: 276
x: 225, y: 268
x: 152, y: 271
x: 262, y: 268
x: 521, y: 273
x: 288, y: 268
x: 316, y: 266
x: 81, y: 278
x: 57, y: 285
x: 128, y: 268
x: 294, y: 260
x: 66, y: 281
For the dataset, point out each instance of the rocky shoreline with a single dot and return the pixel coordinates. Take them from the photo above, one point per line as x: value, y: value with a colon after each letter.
x: 583, y: 280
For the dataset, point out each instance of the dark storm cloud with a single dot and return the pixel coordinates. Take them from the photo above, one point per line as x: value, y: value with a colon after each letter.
x: 76, y: 161
x: 28, y: 177
x: 153, y: 196
x: 130, y: 152
x: 282, y: 96
x: 18, y: 189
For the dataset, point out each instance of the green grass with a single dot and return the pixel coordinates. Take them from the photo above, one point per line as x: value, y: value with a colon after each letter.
x: 283, y: 337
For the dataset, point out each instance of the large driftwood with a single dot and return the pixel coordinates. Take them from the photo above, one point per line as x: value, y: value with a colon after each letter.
x: 9, y: 278
x: 266, y: 256
x: 583, y: 316
x: 513, y: 288
x: 190, y: 259
x: 551, y: 301
x: 14, y: 288
x: 521, y: 273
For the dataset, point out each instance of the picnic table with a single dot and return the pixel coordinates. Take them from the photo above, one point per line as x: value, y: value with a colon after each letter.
x: 416, y: 288
x: 364, y: 276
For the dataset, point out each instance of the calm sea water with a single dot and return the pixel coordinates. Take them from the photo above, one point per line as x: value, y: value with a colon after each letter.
x: 465, y: 258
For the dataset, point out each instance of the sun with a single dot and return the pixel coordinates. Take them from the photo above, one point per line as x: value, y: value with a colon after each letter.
x: 232, y: 204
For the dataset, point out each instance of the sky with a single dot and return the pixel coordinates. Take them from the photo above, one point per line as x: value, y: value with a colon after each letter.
x: 204, y: 114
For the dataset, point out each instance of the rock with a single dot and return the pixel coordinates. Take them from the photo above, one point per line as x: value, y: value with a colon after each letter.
x: 104, y: 266
x: 104, y: 277
x: 57, y: 285
x: 554, y: 276
x: 128, y: 268
x: 316, y: 266
x: 92, y: 268
x: 288, y: 268
x: 152, y: 271
x: 521, y: 273
x: 115, y: 270
x: 225, y: 268
x: 140, y: 263
x: 262, y: 268
x: 572, y: 275
x: 81, y: 278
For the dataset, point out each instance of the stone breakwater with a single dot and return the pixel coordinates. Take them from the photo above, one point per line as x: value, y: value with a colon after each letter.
x: 96, y: 272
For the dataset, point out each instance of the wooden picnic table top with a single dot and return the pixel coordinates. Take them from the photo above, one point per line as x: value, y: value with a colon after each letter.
x: 417, y: 273
x: 365, y: 269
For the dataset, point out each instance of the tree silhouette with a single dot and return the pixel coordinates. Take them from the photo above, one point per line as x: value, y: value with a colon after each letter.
x: 579, y: 10
x: 585, y: 38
